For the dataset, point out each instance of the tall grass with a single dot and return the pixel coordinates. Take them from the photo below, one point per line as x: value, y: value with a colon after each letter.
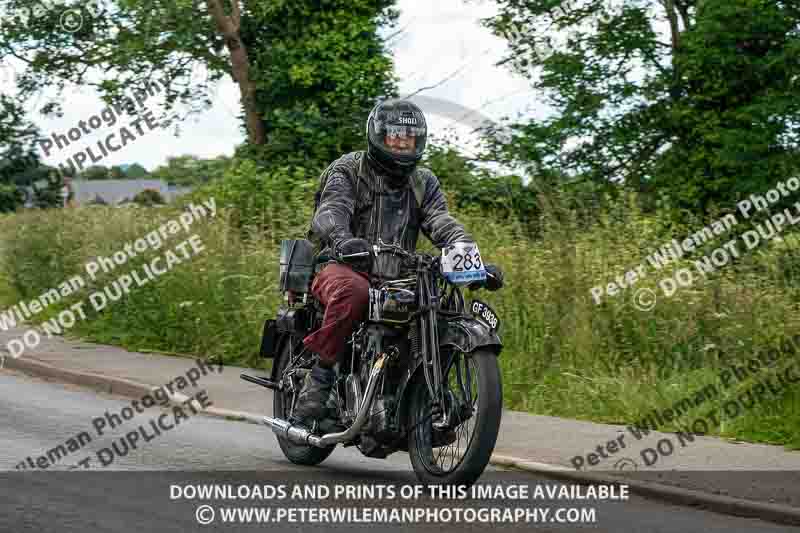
x: 564, y: 354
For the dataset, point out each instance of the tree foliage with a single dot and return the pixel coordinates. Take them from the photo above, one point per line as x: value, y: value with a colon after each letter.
x: 501, y: 196
x: 697, y: 98
x: 11, y: 198
x: 47, y: 192
x: 306, y: 70
x: 121, y: 46
x: 319, y: 68
x: 188, y: 170
x: 136, y: 171
x: 149, y: 197
x: 95, y: 172
x: 18, y: 157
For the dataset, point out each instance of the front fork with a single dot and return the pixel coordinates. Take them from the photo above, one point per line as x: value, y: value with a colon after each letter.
x: 431, y: 356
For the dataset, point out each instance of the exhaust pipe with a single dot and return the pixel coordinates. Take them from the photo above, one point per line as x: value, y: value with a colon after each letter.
x: 302, y: 436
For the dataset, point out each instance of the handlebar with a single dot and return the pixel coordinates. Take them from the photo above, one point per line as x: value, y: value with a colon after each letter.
x: 380, y: 248
x: 416, y: 259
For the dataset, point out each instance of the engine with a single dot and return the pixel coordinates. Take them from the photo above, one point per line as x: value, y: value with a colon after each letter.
x: 368, y: 344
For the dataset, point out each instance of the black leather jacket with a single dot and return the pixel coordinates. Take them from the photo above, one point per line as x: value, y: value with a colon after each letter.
x: 359, y: 201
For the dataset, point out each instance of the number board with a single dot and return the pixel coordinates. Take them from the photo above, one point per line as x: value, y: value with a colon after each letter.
x: 462, y: 263
x: 485, y: 314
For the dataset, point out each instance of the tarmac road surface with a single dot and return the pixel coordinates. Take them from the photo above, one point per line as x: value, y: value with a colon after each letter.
x: 135, y: 490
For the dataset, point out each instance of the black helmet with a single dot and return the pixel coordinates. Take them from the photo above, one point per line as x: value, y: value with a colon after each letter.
x: 396, y: 119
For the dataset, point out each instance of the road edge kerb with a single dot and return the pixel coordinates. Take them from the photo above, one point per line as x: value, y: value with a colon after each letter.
x: 102, y: 382
x: 108, y: 384
x: 772, y: 512
x: 777, y: 513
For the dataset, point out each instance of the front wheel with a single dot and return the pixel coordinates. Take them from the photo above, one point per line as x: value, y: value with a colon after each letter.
x: 282, y: 404
x: 474, y: 384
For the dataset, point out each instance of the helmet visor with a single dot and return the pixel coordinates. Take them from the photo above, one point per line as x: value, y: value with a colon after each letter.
x: 400, y: 133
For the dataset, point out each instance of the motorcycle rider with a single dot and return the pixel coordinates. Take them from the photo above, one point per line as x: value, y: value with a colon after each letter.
x: 367, y: 197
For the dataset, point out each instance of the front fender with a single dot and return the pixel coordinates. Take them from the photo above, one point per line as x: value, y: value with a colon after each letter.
x: 462, y: 333
x: 468, y: 334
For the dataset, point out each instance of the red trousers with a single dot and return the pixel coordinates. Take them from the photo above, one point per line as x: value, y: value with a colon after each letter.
x: 345, y: 295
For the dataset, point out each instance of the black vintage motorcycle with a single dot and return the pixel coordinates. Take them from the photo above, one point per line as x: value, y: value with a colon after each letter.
x: 420, y: 373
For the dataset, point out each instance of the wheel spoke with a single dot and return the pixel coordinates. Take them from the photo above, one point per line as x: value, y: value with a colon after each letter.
x: 467, y: 365
x: 447, y: 457
x: 464, y: 393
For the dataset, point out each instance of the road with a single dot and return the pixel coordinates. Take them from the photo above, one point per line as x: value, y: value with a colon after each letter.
x: 133, y: 492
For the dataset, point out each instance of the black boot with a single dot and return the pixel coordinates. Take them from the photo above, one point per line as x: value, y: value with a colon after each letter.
x: 312, y: 401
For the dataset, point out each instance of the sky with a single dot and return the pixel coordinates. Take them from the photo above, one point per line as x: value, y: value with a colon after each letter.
x: 443, y: 40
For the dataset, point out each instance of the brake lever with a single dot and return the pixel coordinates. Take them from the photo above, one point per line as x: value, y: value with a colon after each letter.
x: 355, y: 256
x: 360, y: 262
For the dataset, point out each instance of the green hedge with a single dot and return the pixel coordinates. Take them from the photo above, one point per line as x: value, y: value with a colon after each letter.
x: 564, y: 355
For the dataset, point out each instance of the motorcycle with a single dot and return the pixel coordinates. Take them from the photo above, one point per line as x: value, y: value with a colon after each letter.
x: 420, y: 372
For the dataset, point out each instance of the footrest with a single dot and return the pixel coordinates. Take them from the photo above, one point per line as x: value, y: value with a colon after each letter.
x: 260, y: 381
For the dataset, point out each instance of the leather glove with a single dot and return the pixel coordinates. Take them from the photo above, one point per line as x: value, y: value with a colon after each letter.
x: 355, y: 246
x: 352, y: 246
x: 494, y: 278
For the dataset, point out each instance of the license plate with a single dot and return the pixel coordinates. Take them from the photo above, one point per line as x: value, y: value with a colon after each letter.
x: 462, y: 263
x: 485, y: 314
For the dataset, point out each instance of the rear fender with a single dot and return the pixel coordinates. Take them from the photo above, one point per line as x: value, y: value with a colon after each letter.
x: 290, y: 323
x: 280, y: 343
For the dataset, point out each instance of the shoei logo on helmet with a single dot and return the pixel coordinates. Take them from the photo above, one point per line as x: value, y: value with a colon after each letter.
x: 412, y: 121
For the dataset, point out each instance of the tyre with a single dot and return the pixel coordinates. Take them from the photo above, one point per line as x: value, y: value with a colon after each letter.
x: 460, y: 460
x: 282, y: 402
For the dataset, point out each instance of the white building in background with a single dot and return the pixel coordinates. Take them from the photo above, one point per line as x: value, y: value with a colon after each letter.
x: 113, y: 192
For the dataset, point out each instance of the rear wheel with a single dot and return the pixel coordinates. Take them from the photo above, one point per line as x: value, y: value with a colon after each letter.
x: 458, y: 458
x: 282, y: 404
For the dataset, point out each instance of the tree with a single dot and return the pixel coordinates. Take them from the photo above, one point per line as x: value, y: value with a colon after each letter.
x: 20, y: 165
x: 49, y: 195
x: 116, y: 173
x: 191, y: 170
x: 149, y: 197
x: 471, y: 185
x: 320, y: 59
x: 165, y: 40
x: 703, y: 111
x: 319, y: 70
x: 739, y: 110
x: 136, y: 171
x: 11, y: 198
x: 19, y: 159
x: 95, y: 172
